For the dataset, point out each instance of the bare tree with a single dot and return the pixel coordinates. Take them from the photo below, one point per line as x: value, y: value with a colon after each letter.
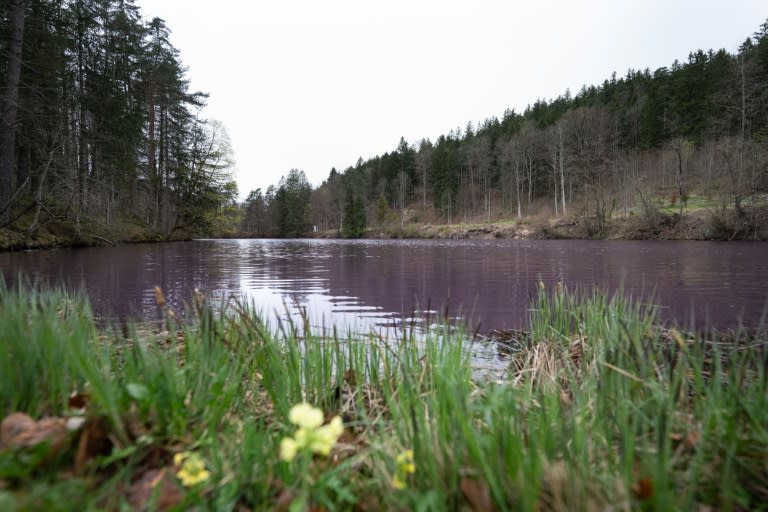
x: 529, y: 138
x: 589, y: 130
x: 423, y: 161
x: 480, y: 162
x: 510, y: 156
x: 561, y: 149
x: 683, y: 149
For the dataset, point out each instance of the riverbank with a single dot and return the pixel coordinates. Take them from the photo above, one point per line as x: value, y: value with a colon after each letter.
x: 600, y: 408
x: 88, y: 233
x: 697, y: 224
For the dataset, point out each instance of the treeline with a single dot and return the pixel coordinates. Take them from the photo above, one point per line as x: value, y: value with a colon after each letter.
x: 99, y: 126
x: 612, y: 148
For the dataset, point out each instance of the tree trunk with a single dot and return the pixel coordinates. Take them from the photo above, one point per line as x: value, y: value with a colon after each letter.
x: 152, y: 216
x: 554, y: 177
x: 680, y: 186
x: 562, y: 165
x: 10, y: 106
x: 517, y: 190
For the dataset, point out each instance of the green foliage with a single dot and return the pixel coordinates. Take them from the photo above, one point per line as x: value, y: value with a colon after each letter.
x: 354, y: 217
x: 579, y: 149
x: 676, y: 422
x: 37, y: 378
x: 292, y: 203
x: 99, y: 79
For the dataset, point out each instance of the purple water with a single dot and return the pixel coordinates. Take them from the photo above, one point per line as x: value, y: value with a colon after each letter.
x: 379, y: 283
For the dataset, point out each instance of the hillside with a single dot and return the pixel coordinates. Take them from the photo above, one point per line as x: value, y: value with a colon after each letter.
x: 644, y: 148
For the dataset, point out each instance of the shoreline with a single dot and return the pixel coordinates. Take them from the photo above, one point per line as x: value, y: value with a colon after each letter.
x: 695, y: 225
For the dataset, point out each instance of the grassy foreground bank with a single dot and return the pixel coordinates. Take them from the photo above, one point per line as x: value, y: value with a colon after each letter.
x: 601, y: 410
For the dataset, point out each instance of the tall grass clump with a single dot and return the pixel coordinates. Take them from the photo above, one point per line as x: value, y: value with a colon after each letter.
x: 603, y: 408
x: 43, y: 336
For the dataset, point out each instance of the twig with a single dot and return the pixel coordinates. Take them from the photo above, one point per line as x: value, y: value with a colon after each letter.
x: 110, y: 242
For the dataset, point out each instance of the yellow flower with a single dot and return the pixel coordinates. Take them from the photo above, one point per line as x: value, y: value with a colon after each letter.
x: 288, y: 447
x: 311, y: 435
x: 192, y: 470
x: 405, y: 462
x: 336, y: 426
x: 302, y: 437
x: 325, y: 437
x: 306, y: 416
x: 404, y: 467
x: 397, y: 483
x: 179, y: 458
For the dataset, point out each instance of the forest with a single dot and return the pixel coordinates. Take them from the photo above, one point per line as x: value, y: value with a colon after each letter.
x: 102, y: 140
x: 693, y: 132
x: 100, y: 135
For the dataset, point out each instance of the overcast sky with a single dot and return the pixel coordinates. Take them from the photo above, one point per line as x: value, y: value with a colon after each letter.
x: 312, y: 84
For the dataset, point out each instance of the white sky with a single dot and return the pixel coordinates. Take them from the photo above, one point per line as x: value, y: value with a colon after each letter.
x: 315, y: 84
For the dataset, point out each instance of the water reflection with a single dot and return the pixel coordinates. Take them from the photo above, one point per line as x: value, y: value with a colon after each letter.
x: 365, y: 285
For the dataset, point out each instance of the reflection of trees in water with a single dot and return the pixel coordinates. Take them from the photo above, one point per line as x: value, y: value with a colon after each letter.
x: 407, y: 277
x: 492, y: 283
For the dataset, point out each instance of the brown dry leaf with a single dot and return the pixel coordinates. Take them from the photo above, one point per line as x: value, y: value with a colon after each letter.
x: 643, y: 489
x: 93, y: 441
x: 78, y: 400
x: 13, y: 426
x: 20, y: 430
x: 284, y: 500
x: 157, y: 483
x: 477, y: 494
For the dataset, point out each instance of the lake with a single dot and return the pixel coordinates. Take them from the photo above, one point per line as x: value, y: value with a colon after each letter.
x: 377, y: 284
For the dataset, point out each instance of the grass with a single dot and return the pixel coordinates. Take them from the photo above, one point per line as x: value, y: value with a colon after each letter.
x: 603, y: 409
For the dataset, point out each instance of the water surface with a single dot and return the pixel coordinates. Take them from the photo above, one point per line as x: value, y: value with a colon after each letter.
x: 374, y: 284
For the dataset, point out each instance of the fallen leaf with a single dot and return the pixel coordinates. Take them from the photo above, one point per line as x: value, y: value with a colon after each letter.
x: 477, y: 494
x: 94, y: 441
x: 14, y: 425
x: 156, y: 486
x: 692, y: 439
x: 284, y: 500
x: 78, y: 400
x: 643, y: 489
x: 19, y: 430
